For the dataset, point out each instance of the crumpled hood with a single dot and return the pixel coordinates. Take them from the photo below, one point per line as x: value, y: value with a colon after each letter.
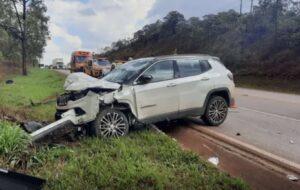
x: 82, y: 81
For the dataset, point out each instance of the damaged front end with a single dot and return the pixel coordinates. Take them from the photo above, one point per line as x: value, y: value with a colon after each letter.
x: 80, y: 106
x: 83, y: 95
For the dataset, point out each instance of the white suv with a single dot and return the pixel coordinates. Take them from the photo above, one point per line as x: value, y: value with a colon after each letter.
x: 149, y: 90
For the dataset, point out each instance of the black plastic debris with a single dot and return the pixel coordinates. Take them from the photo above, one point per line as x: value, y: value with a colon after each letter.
x: 9, y: 82
x: 238, y: 134
x: 32, y: 126
x: 15, y: 181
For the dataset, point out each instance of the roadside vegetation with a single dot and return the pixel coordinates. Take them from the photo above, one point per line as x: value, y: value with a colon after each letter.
x: 263, y: 43
x: 31, y: 97
x: 144, y: 159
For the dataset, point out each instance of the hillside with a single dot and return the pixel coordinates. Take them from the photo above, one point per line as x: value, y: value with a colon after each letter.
x: 265, y: 42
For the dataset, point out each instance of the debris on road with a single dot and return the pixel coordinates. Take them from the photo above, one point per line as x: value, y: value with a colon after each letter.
x: 214, y: 160
x: 292, y: 177
x: 238, y: 134
x: 291, y: 141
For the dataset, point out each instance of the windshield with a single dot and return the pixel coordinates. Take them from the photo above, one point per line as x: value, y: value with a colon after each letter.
x: 102, y: 62
x: 81, y: 59
x: 127, y: 72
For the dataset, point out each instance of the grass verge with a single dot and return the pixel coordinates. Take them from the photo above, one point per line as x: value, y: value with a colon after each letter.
x: 142, y: 160
x: 32, y: 96
x: 263, y: 83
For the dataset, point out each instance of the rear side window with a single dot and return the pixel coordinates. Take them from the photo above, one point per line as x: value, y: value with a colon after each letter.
x: 192, y: 67
x: 205, y: 66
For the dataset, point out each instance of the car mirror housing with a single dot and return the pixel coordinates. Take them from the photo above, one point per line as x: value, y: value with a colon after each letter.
x: 90, y: 63
x: 144, y: 79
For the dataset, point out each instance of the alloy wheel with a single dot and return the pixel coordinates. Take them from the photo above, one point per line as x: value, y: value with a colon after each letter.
x: 112, y: 124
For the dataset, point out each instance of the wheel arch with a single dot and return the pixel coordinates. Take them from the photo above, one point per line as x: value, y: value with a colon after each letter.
x: 223, y: 92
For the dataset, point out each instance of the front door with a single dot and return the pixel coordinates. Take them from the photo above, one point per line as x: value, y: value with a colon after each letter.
x: 158, y: 99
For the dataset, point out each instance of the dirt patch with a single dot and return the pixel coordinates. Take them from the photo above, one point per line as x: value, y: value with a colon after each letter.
x: 14, y: 115
x: 8, y: 68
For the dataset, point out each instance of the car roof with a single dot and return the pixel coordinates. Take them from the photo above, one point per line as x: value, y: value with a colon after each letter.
x: 202, y: 56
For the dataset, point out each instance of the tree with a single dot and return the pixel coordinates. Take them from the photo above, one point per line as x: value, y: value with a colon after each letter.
x: 25, y: 22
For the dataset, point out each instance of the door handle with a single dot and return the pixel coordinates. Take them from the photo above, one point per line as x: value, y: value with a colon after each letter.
x: 171, y: 85
x: 205, y: 79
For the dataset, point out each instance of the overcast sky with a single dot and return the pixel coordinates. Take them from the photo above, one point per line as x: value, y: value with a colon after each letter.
x: 94, y: 24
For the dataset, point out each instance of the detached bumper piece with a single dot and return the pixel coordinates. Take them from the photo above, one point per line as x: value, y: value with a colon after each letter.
x: 68, y: 118
x: 16, y: 181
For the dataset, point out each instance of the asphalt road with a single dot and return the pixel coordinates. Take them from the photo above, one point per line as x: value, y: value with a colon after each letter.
x: 267, y: 120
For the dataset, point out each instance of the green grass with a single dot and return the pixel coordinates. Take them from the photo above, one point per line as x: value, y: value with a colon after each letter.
x: 262, y: 83
x: 40, y: 85
x: 13, y: 141
x: 142, y: 160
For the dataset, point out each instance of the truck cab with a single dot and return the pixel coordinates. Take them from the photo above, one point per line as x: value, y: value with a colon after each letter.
x: 80, y: 60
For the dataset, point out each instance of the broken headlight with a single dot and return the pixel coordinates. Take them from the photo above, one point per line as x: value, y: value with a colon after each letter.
x: 78, y: 95
x: 62, y: 100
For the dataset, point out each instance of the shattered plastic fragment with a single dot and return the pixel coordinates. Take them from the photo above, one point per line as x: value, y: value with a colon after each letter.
x: 32, y: 126
x: 214, y: 160
x: 292, y: 177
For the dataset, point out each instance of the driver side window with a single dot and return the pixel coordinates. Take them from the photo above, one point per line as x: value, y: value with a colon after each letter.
x: 161, y: 71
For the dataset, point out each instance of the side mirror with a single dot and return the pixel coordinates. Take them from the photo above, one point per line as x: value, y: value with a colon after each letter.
x: 90, y: 63
x: 144, y: 79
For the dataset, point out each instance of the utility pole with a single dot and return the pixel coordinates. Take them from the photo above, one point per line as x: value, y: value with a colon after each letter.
x: 241, y: 7
x: 251, y: 7
x: 24, y: 39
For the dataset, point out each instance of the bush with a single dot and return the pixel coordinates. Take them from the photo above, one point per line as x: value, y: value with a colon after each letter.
x: 13, y: 140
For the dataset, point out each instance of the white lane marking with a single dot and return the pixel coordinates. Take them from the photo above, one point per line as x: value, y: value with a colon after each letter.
x: 270, y: 114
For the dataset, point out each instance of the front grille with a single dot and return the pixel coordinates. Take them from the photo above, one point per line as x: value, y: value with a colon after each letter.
x: 63, y: 100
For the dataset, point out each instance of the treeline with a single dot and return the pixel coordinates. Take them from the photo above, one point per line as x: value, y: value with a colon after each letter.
x: 14, y: 28
x: 264, y: 42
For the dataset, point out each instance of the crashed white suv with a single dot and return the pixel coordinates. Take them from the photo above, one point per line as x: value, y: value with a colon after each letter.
x: 149, y: 90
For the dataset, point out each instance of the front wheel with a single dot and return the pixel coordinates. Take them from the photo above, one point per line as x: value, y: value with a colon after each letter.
x: 216, y: 111
x: 110, y: 123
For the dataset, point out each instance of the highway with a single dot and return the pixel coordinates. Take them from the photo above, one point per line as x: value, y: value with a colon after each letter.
x: 267, y: 120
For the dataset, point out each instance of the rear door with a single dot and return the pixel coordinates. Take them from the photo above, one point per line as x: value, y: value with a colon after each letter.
x: 158, y: 99
x: 194, y: 84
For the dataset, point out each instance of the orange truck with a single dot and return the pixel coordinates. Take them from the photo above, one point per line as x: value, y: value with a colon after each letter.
x: 90, y: 64
x: 80, y: 60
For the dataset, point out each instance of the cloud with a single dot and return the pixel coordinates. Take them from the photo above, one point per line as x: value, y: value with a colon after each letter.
x: 94, y: 24
x: 91, y: 24
x: 197, y: 8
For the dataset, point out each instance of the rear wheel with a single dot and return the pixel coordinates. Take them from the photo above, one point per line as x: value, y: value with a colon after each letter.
x: 216, y: 111
x: 110, y: 123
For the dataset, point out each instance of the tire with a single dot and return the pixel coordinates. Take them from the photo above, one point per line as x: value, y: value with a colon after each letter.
x: 216, y: 111
x: 110, y: 123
